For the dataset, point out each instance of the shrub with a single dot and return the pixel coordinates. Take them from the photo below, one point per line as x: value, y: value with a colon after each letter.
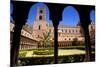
x: 43, y: 52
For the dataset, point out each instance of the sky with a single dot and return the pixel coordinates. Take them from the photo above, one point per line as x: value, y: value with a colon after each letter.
x: 70, y: 15
x: 92, y: 16
x: 11, y: 11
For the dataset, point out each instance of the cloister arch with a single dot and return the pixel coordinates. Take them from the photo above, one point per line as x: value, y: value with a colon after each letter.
x: 32, y: 12
x: 70, y: 24
x: 70, y: 16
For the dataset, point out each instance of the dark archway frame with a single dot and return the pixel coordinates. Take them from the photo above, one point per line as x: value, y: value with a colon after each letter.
x: 20, y: 15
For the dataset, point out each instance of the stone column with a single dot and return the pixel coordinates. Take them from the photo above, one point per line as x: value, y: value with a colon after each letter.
x: 20, y: 13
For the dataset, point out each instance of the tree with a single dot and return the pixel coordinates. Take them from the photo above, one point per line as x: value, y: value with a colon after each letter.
x: 45, y: 39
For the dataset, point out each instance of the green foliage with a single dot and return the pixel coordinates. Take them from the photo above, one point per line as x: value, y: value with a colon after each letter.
x: 22, y: 54
x: 45, y: 40
x: 43, y: 52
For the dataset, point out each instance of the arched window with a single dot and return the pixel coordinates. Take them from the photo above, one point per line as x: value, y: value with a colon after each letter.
x: 69, y: 31
x: 76, y: 31
x: 73, y: 31
x: 40, y: 17
x: 65, y: 31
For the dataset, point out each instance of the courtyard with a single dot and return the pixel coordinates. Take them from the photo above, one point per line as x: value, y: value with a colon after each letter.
x: 45, y: 55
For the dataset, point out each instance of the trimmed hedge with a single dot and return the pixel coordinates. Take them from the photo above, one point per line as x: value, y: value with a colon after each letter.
x: 43, y: 52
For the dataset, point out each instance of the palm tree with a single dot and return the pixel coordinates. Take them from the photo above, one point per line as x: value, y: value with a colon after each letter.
x: 45, y: 39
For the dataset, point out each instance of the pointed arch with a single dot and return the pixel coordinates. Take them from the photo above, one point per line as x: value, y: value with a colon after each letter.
x: 33, y: 12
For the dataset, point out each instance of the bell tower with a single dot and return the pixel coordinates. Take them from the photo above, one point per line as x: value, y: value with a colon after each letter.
x: 41, y: 13
x: 40, y: 25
